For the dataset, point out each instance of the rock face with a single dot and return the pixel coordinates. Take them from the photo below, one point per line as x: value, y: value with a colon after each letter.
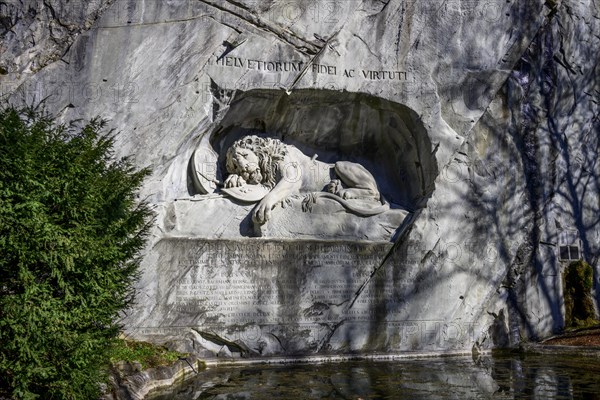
x: 478, y: 122
x: 34, y: 34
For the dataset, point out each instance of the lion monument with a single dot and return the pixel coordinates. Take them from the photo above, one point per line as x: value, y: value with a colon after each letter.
x: 268, y: 171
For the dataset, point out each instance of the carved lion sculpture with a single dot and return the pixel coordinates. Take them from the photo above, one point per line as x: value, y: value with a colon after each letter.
x: 283, y: 170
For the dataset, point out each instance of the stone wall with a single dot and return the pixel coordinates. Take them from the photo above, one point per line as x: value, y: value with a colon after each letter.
x: 478, y: 120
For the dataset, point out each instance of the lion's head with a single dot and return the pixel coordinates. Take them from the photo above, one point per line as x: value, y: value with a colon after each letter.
x: 268, y: 153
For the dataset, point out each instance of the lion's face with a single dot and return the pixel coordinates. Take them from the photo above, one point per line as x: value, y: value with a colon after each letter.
x: 256, y: 159
x: 245, y: 163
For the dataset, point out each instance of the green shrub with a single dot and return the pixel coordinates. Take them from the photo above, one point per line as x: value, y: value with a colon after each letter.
x: 70, y: 231
x: 579, y: 305
x: 147, y: 354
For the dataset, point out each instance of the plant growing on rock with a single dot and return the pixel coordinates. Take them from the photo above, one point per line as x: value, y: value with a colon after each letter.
x: 70, y: 230
x: 579, y: 305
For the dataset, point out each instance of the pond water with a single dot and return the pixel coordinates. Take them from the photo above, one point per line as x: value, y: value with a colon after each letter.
x: 487, y: 377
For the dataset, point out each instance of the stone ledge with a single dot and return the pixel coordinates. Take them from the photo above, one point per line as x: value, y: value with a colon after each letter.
x: 327, y: 219
x: 587, y: 351
x: 138, y: 385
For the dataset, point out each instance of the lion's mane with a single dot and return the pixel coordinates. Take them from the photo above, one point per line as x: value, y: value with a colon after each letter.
x: 270, y: 153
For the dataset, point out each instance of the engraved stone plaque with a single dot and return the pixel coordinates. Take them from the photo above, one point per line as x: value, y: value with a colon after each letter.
x: 258, y: 297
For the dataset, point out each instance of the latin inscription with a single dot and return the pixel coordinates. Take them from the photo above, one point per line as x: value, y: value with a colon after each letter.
x: 280, y: 297
x: 299, y: 66
x: 277, y: 282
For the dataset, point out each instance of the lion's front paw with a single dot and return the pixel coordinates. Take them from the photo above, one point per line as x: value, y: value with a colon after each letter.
x: 234, y: 180
x: 334, y: 186
x: 262, y: 212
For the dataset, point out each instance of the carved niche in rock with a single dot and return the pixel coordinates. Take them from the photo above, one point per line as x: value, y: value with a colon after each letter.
x: 374, y: 162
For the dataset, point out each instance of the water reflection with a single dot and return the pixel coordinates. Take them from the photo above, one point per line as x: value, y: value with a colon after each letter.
x: 515, y: 377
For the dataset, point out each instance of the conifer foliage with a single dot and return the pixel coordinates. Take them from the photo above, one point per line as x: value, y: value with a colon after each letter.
x: 71, y: 227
